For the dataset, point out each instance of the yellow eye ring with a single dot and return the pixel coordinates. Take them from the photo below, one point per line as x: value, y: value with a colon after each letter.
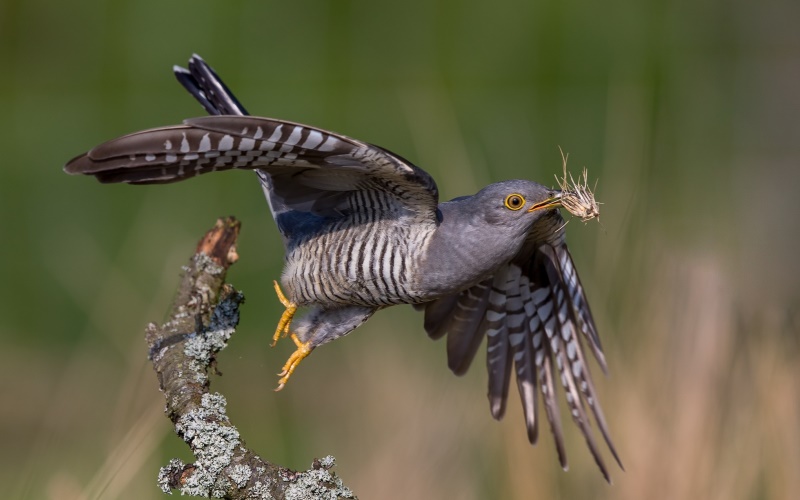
x: 514, y: 201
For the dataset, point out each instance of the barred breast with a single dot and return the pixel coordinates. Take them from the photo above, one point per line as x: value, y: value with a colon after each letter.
x: 357, y: 263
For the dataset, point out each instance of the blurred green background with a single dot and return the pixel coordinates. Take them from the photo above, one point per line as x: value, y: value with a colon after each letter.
x: 686, y: 111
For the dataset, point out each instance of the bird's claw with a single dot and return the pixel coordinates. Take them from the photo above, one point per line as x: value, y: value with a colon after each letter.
x: 303, y: 350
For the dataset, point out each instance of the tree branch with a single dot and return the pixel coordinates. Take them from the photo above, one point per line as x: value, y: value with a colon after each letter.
x: 204, y: 315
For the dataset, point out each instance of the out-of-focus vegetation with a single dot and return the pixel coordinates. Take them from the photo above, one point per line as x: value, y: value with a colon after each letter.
x: 687, y: 112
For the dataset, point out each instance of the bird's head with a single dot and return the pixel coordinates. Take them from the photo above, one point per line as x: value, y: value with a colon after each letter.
x: 516, y: 205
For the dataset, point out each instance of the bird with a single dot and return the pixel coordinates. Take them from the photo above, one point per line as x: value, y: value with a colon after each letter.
x: 363, y: 229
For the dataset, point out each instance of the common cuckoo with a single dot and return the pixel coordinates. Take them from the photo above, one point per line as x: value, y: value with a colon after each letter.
x: 363, y: 229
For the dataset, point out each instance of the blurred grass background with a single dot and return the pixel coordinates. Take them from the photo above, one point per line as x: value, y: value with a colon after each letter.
x: 687, y: 112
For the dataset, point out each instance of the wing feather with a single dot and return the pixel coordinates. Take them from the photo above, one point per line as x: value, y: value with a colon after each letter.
x: 311, y: 169
x: 465, y: 335
x: 498, y: 350
x: 576, y: 372
x: 525, y: 362
x: 536, y: 319
x: 438, y: 315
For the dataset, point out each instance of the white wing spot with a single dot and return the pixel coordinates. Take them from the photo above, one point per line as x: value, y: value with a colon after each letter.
x: 566, y: 332
x: 259, y: 133
x: 562, y: 312
x: 495, y: 316
x: 167, y: 144
x: 295, y: 136
x: 540, y: 295
x: 576, y: 371
x: 571, y: 350
x: 329, y: 144
x: 314, y: 139
x: 205, y: 144
x: 497, y: 298
x: 149, y: 157
x: 226, y: 143
x: 545, y: 309
x: 276, y: 134
x: 246, y: 144
x: 530, y: 309
x: 185, y: 144
x: 548, y: 329
x: 492, y: 332
x: 516, y: 338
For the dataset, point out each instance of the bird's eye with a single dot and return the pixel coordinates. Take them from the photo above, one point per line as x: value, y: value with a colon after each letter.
x: 514, y: 201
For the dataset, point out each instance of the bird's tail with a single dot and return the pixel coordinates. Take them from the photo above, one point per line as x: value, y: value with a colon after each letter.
x: 210, y: 91
x: 216, y: 98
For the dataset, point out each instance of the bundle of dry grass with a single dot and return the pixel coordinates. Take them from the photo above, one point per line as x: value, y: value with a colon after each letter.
x: 577, y: 197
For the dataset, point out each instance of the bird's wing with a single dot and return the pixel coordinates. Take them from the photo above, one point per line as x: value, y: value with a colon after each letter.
x: 311, y: 170
x: 536, y: 319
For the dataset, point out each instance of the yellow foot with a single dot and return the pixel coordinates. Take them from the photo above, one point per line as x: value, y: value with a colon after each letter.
x: 303, y: 350
x: 286, y: 317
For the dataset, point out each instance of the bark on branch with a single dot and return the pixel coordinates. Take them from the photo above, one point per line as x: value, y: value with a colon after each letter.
x: 203, y: 318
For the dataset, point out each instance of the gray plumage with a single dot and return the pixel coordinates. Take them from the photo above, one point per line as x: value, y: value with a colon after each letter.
x: 363, y: 229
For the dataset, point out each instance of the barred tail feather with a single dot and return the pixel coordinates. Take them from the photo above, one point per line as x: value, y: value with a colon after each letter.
x: 210, y: 91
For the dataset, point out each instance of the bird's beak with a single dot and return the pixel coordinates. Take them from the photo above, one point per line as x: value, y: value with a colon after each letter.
x: 553, y: 202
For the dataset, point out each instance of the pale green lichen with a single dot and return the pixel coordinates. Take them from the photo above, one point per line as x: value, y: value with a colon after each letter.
x: 205, y: 264
x: 318, y: 483
x: 166, y: 473
x: 240, y: 474
x: 212, y: 439
x: 202, y: 346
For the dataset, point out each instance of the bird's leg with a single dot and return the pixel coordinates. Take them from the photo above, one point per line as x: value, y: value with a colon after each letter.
x: 286, y: 318
x: 318, y: 327
x: 303, y: 350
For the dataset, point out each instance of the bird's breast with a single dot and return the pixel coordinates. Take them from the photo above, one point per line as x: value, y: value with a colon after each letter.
x: 369, y: 264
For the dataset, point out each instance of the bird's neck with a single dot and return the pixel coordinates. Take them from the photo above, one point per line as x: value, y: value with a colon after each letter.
x: 461, y: 252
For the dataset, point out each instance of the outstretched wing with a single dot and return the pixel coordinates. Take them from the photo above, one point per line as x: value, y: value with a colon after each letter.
x: 536, y: 319
x: 311, y: 170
